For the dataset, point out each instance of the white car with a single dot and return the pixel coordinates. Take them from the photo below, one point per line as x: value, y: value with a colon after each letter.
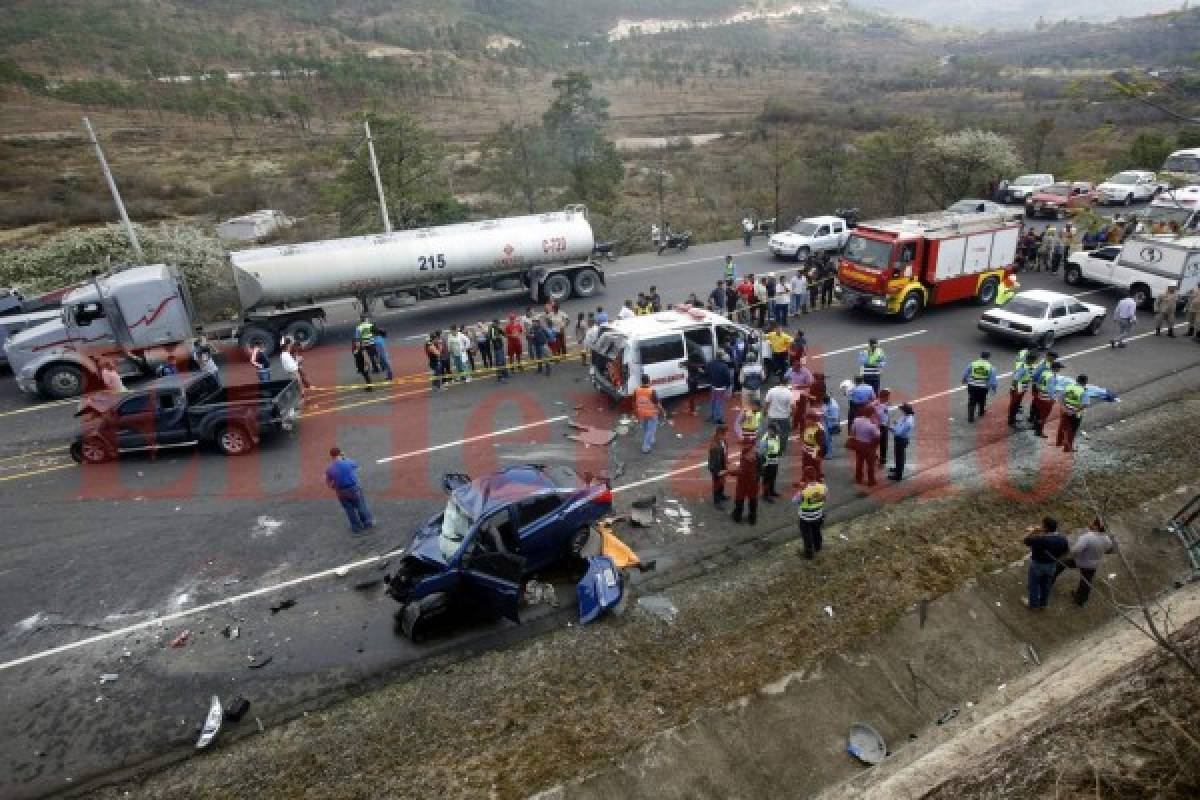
x: 1090, y: 265
x: 1134, y: 185
x: 1040, y: 317
x: 812, y: 235
x: 1024, y: 186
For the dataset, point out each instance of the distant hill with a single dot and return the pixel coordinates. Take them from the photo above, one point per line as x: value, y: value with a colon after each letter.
x: 1016, y: 14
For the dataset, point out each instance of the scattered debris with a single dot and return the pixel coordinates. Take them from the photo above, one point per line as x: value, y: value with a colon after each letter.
x: 109, y: 677
x: 590, y: 435
x: 237, y: 709
x: 537, y: 592
x: 256, y: 664
x: 865, y: 744
x: 281, y: 605
x: 949, y: 715
x: 600, y: 589
x: 829, y: 611
x: 212, y: 723
x: 266, y: 526
x: 1032, y: 655
x: 231, y: 631
x: 620, y: 553
x: 658, y: 606
x: 341, y: 572
x: 641, y: 514
x: 181, y: 639
x: 370, y: 583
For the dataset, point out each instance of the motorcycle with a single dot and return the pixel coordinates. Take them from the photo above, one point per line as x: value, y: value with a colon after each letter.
x: 607, y: 250
x: 675, y: 241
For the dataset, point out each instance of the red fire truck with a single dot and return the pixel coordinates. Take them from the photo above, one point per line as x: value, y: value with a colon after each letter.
x: 899, y: 266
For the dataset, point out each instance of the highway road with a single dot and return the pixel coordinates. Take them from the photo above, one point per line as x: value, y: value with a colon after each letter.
x: 104, y: 566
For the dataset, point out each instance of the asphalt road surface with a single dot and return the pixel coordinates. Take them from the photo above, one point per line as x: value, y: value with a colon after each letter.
x: 103, y: 567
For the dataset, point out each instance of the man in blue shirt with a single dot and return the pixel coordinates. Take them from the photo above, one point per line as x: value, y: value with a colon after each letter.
x: 342, y: 476
x: 720, y: 379
x: 902, y: 430
x: 601, y: 316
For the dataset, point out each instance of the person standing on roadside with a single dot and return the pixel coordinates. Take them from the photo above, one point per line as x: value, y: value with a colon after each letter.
x: 1076, y: 398
x: 902, y: 431
x: 980, y: 379
x: 1047, y: 547
x: 860, y: 396
x: 342, y: 477
x: 720, y: 382
x: 1022, y: 378
x: 718, y: 464
x: 458, y: 344
x: 781, y: 302
x: 864, y: 434
x: 514, y: 333
x: 798, y: 287
x: 1046, y: 388
x: 831, y: 422
x: 539, y: 340
x: 483, y: 344
x: 647, y: 409
x: 810, y: 512
x: 379, y: 341
x: 746, y: 492
x: 747, y: 230
x: 262, y: 363
x: 882, y: 410
x: 871, y: 361
x: 362, y: 364
x: 497, y: 342
x: 1126, y: 317
x: 778, y: 405
x: 752, y: 378
x: 1086, y: 554
x: 433, y: 353
x: 768, y: 451
x: 781, y: 343
x: 1192, y: 311
x: 292, y: 363
x: 1164, y: 310
x: 828, y: 272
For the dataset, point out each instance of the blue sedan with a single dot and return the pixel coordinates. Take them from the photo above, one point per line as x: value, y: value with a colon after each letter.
x: 493, y: 534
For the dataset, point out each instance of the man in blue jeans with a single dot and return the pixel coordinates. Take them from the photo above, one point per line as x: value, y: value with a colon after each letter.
x: 1047, y: 547
x: 342, y: 477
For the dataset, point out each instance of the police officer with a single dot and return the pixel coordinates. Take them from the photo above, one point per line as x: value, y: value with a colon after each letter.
x: 769, y: 450
x: 871, y: 362
x: 980, y: 378
x: 813, y: 445
x: 810, y: 512
x: 1042, y: 365
x: 749, y: 421
x: 1046, y: 387
x: 1076, y: 397
x: 730, y: 271
x: 365, y: 334
x: 1022, y: 378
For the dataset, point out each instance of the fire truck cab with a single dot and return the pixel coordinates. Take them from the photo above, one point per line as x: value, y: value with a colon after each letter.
x: 900, y: 266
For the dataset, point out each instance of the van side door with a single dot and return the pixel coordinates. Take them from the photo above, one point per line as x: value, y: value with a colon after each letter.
x: 663, y: 358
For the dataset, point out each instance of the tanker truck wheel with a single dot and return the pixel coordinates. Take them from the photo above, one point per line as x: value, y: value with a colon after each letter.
x: 556, y: 288
x: 61, y: 381
x: 257, y: 336
x: 587, y: 283
x: 303, y: 333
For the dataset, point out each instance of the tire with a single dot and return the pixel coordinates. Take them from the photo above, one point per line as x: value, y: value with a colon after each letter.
x: 587, y: 282
x: 1046, y: 340
x: 910, y: 307
x: 302, y: 332
x: 1072, y: 275
x: 801, y: 253
x: 91, y: 450
x: 661, y: 249
x: 987, y: 292
x: 234, y: 440
x: 257, y: 335
x: 61, y: 381
x: 1128, y: 200
x: 1142, y: 296
x: 556, y: 287
x: 1093, y: 327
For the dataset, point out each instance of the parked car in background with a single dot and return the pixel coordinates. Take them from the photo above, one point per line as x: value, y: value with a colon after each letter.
x: 1024, y: 186
x: 812, y: 235
x: 494, y: 533
x: 973, y: 205
x: 1040, y: 317
x: 1173, y: 211
x: 1090, y: 264
x: 1060, y: 199
x: 255, y: 226
x: 1182, y: 167
x: 1129, y: 187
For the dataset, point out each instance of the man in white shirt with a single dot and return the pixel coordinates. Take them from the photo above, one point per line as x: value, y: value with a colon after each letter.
x: 1126, y: 317
x: 1087, y: 553
x: 458, y: 344
x: 626, y: 311
x: 778, y: 405
x: 799, y: 292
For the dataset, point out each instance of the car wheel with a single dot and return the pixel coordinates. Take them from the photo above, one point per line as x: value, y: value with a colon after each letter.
x: 1046, y: 340
x: 910, y: 307
x: 234, y: 440
x: 556, y: 288
x: 1072, y: 276
x: 987, y: 292
x: 91, y: 450
x: 1128, y: 199
x: 801, y: 253
x: 61, y: 381
x: 587, y: 283
x: 1094, y: 326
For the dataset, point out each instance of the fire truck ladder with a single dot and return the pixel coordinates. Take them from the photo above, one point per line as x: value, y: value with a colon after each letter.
x: 1185, y: 524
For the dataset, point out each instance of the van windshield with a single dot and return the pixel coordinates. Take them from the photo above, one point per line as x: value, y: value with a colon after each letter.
x: 868, y: 252
x: 1182, y: 164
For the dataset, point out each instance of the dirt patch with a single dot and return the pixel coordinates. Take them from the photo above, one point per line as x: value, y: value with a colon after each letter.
x: 509, y: 723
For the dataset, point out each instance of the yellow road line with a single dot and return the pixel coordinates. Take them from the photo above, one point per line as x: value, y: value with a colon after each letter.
x: 41, y: 407
x: 34, y: 453
x: 36, y: 472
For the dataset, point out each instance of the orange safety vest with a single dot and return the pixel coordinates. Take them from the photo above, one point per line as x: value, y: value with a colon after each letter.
x: 644, y: 406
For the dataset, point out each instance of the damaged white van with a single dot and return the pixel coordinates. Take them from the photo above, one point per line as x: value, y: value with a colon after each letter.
x: 666, y: 346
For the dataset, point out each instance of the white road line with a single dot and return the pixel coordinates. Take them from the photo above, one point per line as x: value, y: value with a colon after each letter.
x: 150, y: 623
x: 678, y: 264
x: 864, y: 344
x: 470, y: 439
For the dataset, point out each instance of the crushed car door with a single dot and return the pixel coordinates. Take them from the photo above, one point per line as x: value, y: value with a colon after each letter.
x: 135, y: 422
x: 539, y: 526
x: 494, y: 578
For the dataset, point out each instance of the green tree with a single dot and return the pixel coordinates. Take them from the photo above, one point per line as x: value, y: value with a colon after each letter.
x: 410, y: 167
x: 892, y: 160
x: 574, y: 125
x: 514, y: 163
x: 1036, y: 139
x: 300, y: 109
x: 959, y: 164
x: 1149, y: 150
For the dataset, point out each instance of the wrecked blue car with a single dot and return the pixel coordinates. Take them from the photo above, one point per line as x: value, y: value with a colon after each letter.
x: 495, y: 532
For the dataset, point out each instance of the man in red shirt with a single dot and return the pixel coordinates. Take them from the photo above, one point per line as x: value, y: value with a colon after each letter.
x: 514, y: 332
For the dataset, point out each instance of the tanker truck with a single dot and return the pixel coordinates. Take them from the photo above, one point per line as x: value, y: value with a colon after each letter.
x: 141, y: 317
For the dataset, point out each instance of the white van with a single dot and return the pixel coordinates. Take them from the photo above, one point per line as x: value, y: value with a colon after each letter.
x: 1182, y: 167
x: 662, y: 346
x: 1145, y: 266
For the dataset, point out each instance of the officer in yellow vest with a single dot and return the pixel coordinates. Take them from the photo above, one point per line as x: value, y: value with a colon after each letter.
x: 1075, y: 398
x: 769, y: 450
x: 749, y: 421
x: 980, y: 378
x: 1022, y: 379
x: 810, y: 510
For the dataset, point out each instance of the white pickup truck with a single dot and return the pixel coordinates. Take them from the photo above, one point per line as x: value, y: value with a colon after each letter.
x: 1144, y: 266
x: 812, y: 235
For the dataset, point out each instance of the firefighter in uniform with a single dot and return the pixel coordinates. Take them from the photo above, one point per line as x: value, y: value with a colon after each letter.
x: 1042, y: 365
x: 749, y: 421
x: 769, y: 450
x: 1045, y: 389
x: 746, y: 491
x: 1022, y: 378
x: 980, y: 378
x: 812, y: 446
x: 871, y: 362
x: 810, y: 502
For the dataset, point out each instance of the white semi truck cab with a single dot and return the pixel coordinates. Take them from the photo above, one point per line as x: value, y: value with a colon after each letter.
x: 138, y: 317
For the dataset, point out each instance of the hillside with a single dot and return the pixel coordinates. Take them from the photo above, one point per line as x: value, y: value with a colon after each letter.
x: 1015, y: 14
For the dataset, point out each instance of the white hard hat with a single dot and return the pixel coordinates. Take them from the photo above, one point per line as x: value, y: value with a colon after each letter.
x: 846, y: 386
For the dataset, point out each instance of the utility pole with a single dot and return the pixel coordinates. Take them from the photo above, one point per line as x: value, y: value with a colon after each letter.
x: 383, y: 209
x: 116, y: 195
